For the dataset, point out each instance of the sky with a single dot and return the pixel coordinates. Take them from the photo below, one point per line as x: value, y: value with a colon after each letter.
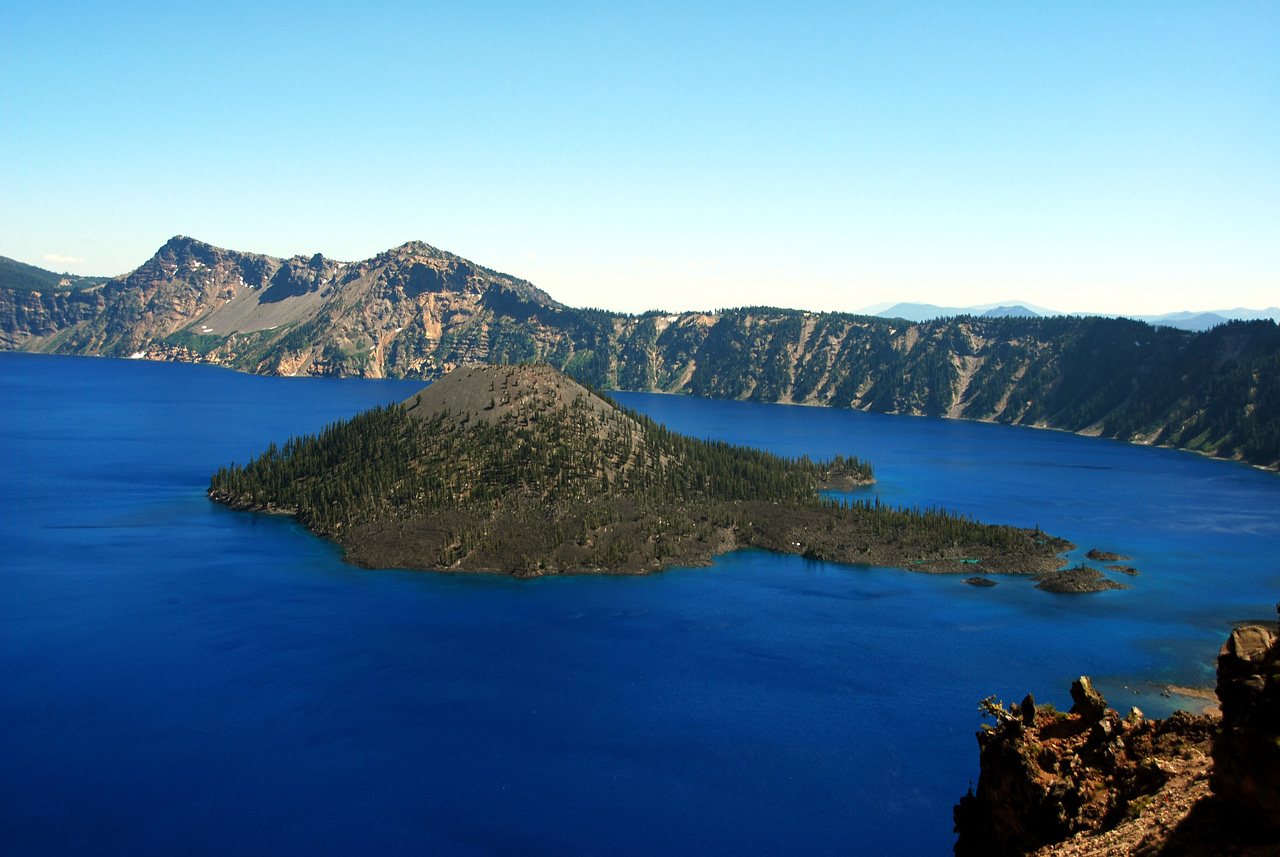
x: 1113, y: 157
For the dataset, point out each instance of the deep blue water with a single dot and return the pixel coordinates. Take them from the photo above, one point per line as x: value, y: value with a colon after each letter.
x: 179, y: 678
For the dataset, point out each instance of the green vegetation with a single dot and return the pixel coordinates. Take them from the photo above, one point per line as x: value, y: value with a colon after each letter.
x: 28, y: 278
x: 1217, y: 392
x: 197, y: 343
x: 528, y: 484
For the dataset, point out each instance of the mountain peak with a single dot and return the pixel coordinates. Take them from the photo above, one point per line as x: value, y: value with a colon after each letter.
x: 487, y: 393
x: 184, y: 242
x: 182, y: 249
x: 416, y: 246
x: 1014, y: 311
x: 412, y: 249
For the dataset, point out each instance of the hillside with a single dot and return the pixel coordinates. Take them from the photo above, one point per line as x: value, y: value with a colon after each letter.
x: 20, y: 276
x: 417, y: 312
x: 35, y: 303
x: 521, y: 470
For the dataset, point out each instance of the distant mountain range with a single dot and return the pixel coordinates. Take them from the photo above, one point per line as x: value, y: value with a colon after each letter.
x: 928, y: 312
x: 416, y: 312
x: 1182, y: 320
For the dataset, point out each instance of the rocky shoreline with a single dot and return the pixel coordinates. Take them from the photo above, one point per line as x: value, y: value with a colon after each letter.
x: 1090, y: 782
x: 813, y: 532
x: 520, y: 470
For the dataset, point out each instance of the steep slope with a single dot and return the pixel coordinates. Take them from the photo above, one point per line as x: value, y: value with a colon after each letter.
x: 1216, y: 392
x: 520, y: 470
x: 416, y: 311
x: 304, y: 315
x: 37, y: 303
x: 1093, y: 784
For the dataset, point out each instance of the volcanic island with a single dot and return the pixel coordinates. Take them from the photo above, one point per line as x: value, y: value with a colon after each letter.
x: 519, y: 469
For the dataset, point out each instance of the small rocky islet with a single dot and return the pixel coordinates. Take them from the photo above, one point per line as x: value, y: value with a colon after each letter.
x: 1079, y: 579
x: 1124, y: 569
x: 1104, y: 556
x: 519, y: 469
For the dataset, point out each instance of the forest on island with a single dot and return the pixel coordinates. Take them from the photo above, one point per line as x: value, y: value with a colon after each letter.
x: 576, y: 486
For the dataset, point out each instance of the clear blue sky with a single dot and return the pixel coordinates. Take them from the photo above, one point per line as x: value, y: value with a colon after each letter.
x: 1112, y: 156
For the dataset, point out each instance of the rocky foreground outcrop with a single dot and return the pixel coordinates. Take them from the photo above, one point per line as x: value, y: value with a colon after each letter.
x: 1246, y: 756
x: 1091, y: 782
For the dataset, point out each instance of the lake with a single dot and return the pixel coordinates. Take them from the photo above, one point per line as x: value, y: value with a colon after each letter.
x: 181, y: 678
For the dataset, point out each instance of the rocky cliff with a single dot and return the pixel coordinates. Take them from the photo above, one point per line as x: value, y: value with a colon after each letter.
x: 1246, y: 754
x: 416, y: 311
x: 410, y: 312
x: 29, y: 317
x: 1091, y: 782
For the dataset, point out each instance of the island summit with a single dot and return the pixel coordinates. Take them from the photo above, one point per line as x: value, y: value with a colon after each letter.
x: 521, y: 470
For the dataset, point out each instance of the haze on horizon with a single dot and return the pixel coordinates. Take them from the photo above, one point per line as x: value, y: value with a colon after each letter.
x: 1092, y: 157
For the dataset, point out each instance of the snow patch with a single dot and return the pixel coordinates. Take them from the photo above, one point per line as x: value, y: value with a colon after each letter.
x: 137, y: 355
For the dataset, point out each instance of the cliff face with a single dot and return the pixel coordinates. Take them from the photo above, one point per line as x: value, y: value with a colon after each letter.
x: 1047, y: 776
x: 1217, y: 392
x: 416, y: 311
x: 390, y: 315
x: 33, y: 315
x: 1093, y: 783
x: 1246, y: 756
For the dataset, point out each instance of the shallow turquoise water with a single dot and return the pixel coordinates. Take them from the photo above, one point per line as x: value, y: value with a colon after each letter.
x: 179, y: 678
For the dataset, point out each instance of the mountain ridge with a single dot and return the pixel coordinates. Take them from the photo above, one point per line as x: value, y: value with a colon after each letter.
x: 415, y: 311
x: 1184, y: 320
x: 20, y: 275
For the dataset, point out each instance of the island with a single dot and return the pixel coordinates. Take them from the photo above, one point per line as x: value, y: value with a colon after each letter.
x: 1079, y: 579
x: 1104, y: 556
x: 519, y: 469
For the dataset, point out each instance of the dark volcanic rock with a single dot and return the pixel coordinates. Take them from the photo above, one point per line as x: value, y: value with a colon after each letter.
x: 1074, y: 580
x: 1105, y: 556
x: 978, y: 581
x: 519, y: 469
x: 1089, y: 783
x: 1089, y: 704
x: 1046, y: 776
x: 1123, y: 569
x: 1247, y: 753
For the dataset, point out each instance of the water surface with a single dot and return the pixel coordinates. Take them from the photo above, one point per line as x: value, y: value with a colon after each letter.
x: 179, y: 678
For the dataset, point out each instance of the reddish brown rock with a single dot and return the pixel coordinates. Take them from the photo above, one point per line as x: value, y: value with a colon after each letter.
x: 1090, y: 784
x: 1048, y: 776
x: 1247, y: 753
